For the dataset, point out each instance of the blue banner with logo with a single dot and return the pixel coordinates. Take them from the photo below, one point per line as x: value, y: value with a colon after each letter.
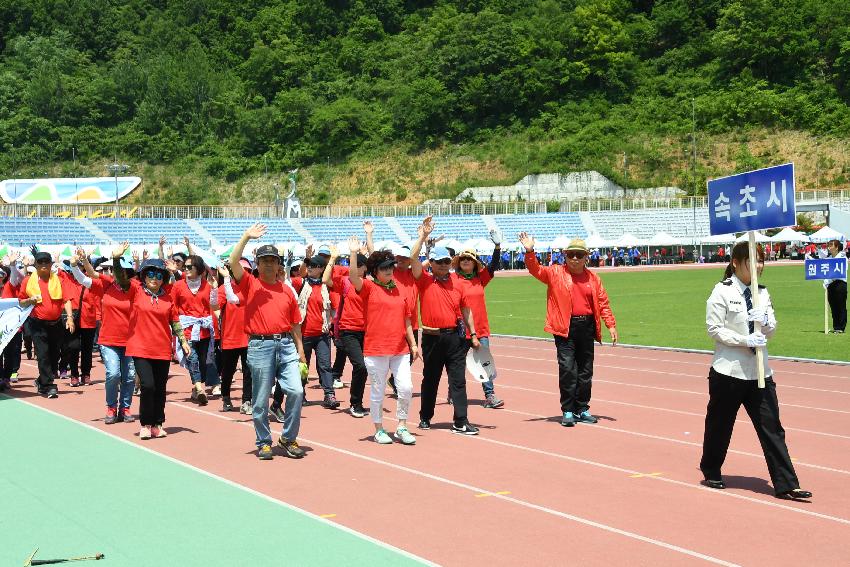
x: 754, y: 200
x: 826, y: 269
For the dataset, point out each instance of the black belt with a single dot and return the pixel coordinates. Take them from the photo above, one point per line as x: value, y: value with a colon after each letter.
x: 441, y: 331
x: 581, y: 317
x: 274, y: 337
x: 48, y: 323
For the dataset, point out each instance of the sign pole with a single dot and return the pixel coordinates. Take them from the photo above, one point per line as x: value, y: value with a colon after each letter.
x: 754, y: 290
x: 825, y: 311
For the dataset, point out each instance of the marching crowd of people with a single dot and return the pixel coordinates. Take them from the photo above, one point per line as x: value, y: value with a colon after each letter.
x: 274, y: 312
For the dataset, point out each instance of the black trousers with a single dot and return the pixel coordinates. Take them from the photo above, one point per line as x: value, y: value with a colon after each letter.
x: 47, y: 341
x: 339, y: 359
x: 836, y: 295
x: 350, y: 344
x: 446, y: 350
x: 726, y: 395
x: 86, y: 346
x: 229, y: 357
x: 70, y: 357
x: 11, y: 357
x: 575, y: 364
x: 153, y: 375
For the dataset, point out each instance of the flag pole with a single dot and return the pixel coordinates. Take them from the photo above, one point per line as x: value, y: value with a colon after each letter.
x: 754, y: 291
x: 825, y: 311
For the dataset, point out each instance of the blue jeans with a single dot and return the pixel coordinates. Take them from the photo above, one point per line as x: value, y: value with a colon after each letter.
x: 120, y: 374
x: 322, y: 345
x: 272, y: 360
x: 488, y: 385
x: 199, y: 369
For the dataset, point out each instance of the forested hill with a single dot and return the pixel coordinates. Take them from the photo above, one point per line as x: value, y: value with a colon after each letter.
x: 231, y: 88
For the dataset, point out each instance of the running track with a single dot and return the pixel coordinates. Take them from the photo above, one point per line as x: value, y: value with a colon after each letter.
x: 529, y: 492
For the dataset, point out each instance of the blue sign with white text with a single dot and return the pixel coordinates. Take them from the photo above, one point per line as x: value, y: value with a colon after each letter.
x: 826, y: 269
x: 755, y: 200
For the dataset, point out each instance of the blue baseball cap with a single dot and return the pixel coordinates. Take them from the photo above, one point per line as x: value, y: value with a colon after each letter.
x: 440, y: 253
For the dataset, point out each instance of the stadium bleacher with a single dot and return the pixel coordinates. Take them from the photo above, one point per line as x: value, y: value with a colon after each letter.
x: 644, y: 223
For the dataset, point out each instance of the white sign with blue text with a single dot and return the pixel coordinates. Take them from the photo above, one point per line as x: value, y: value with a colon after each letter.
x: 826, y: 269
x: 754, y: 200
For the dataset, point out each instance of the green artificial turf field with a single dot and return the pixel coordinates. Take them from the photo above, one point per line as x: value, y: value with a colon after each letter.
x: 667, y: 308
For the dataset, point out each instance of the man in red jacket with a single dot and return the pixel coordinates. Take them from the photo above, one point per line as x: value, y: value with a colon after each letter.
x: 575, y: 303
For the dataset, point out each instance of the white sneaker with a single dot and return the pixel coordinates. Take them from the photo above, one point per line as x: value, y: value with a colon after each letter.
x: 216, y: 391
x: 338, y: 384
x: 403, y: 435
x: 145, y: 432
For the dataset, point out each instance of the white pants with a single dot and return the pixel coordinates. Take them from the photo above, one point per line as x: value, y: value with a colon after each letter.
x: 378, y: 367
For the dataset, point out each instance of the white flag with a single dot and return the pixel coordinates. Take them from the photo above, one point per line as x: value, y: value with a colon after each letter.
x: 11, y: 320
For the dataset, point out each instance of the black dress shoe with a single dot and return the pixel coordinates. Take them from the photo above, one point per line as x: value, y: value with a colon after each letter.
x: 718, y: 484
x: 795, y: 494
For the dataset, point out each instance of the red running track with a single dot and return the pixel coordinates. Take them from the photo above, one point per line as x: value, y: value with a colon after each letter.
x: 529, y: 492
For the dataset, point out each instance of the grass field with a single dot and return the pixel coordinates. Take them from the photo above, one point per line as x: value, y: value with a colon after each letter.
x: 667, y: 308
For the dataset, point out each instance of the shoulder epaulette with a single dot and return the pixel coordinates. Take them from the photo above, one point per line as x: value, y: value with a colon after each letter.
x: 727, y: 281
x: 762, y: 286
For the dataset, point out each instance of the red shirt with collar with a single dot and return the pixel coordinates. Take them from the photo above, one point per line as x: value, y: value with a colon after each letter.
x: 352, y: 318
x: 473, y: 291
x: 439, y: 301
x: 385, y: 311
x: 150, y: 323
x: 49, y: 309
x: 269, y: 308
x: 192, y: 304
x: 405, y: 280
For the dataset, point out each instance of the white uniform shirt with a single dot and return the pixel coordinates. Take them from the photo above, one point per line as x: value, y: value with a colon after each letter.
x: 726, y: 322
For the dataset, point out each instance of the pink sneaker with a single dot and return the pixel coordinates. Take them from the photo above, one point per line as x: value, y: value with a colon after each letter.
x: 85, y: 380
x: 75, y: 381
x: 145, y: 432
x: 158, y: 432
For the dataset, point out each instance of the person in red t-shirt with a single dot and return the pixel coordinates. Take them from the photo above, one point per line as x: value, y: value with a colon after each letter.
x: 87, y: 323
x: 349, y: 325
x: 153, y: 322
x: 317, y: 308
x: 273, y: 324
x: 115, y: 309
x: 69, y: 360
x: 576, y: 301
x: 44, y: 323
x: 234, y: 341
x: 444, y: 312
x: 196, y: 298
x: 388, y: 343
x: 473, y: 277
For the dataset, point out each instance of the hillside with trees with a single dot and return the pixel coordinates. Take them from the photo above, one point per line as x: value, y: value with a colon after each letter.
x: 401, y: 100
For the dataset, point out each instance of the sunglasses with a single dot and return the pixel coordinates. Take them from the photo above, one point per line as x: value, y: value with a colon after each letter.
x: 188, y: 266
x: 575, y: 255
x: 43, y: 261
x: 443, y: 262
x: 154, y: 274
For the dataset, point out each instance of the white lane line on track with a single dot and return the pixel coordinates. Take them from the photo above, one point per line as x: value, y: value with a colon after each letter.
x: 607, y: 351
x: 707, y: 491
x: 668, y: 439
x: 676, y: 374
x: 676, y: 390
x: 493, y: 493
x: 214, y: 476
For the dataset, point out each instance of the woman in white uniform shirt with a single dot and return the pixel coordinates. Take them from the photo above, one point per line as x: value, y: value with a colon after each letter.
x: 733, y: 378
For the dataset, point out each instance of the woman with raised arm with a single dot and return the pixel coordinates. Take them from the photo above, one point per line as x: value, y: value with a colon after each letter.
x: 196, y: 299
x: 114, y: 330
x: 473, y: 277
x: 153, y: 324
x: 388, y: 344
x: 350, y: 325
x: 733, y: 378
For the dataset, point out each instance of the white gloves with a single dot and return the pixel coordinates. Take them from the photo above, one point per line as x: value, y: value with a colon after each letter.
x: 496, y: 236
x: 756, y: 340
x: 758, y: 315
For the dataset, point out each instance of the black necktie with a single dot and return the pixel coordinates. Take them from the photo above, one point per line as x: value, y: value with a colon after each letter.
x: 748, y: 298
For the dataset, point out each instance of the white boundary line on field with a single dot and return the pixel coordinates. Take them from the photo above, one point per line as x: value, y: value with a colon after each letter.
x: 687, y: 350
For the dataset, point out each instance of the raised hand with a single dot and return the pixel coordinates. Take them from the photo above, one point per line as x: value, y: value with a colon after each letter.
x: 426, y: 228
x: 162, y: 240
x: 353, y: 244
x: 135, y: 256
x: 212, y: 280
x: 368, y: 228
x: 170, y: 264
x: 222, y: 271
x: 527, y: 241
x: 145, y: 254
x: 496, y: 236
x: 308, y: 253
x: 254, y: 232
x: 121, y: 249
x: 334, y: 251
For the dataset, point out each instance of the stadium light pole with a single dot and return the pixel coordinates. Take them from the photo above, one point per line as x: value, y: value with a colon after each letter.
x: 694, y: 168
x: 114, y: 168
